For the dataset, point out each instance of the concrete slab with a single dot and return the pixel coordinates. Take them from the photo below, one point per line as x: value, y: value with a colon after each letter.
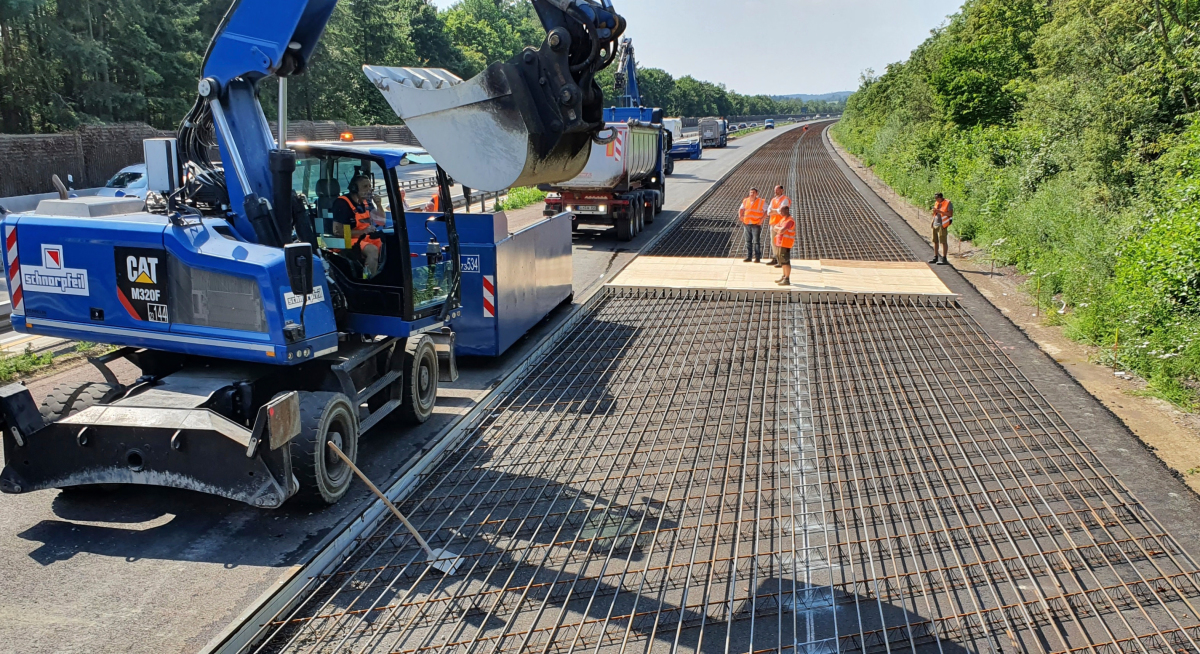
x: 811, y: 277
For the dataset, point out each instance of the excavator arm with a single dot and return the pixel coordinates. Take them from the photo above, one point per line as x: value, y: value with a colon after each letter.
x: 529, y: 120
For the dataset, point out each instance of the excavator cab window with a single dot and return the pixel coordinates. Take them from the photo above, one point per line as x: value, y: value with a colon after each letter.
x: 325, y: 182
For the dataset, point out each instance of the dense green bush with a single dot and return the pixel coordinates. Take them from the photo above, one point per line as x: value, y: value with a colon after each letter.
x: 1065, y: 134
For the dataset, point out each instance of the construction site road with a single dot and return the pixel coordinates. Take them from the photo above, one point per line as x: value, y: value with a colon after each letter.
x: 136, y: 569
x: 853, y: 461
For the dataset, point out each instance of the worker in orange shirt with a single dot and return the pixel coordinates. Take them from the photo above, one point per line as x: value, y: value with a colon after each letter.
x: 785, y: 238
x: 774, y: 215
x: 362, y: 211
x: 752, y: 214
x: 943, y: 216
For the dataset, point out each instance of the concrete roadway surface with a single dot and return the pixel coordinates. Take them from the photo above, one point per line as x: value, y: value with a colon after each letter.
x: 142, y: 569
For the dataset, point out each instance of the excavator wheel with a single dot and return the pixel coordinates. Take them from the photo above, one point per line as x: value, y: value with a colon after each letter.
x: 420, y: 381
x: 324, y: 417
x: 68, y: 399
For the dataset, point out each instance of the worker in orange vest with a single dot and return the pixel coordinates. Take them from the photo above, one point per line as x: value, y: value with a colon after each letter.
x: 435, y: 205
x: 361, y: 210
x: 752, y: 214
x: 785, y: 238
x: 943, y: 215
x: 774, y: 215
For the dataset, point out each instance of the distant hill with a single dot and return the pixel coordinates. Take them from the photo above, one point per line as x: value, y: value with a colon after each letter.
x: 837, y: 96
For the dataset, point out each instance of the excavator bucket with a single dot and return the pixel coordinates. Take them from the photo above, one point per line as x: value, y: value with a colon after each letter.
x: 528, y: 121
x: 485, y: 132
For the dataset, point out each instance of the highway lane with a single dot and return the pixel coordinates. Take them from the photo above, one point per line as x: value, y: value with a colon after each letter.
x: 162, y: 570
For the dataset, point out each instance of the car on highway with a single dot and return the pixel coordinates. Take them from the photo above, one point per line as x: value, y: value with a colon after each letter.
x: 129, y: 181
x: 743, y: 126
x: 769, y: 124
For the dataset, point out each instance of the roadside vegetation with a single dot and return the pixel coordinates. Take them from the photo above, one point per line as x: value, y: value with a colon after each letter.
x: 29, y: 364
x: 1068, y: 136
x: 519, y: 198
x: 16, y: 366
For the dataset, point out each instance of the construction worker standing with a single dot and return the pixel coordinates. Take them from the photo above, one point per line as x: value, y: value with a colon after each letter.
x: 752, y: 213
x: 943, y: 215
x: 774, y: 215
x: 785, y: 238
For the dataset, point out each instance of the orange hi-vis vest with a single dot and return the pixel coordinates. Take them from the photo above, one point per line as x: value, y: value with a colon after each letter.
x: 362, y: 220
x: 785, y: 233
x: 755, y: 211
x: 776, y: 209
x: 945, y: 210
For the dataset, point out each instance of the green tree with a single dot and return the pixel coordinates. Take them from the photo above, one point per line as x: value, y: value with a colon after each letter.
x: 992, y: 48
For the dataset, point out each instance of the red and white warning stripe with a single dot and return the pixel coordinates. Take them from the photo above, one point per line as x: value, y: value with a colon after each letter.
x: 489, y: 296
x: 15, y: 294
x: 617, y: 148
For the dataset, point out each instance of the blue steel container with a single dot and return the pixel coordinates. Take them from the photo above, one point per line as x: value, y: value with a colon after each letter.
x: 510, y: 282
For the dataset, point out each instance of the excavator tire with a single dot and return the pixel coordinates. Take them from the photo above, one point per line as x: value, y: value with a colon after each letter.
x: 68, y: 399
x: 324, y: 478
x: 420, y: 381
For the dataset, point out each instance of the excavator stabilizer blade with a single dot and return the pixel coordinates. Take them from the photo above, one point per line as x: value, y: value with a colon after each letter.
x: 487, y: 132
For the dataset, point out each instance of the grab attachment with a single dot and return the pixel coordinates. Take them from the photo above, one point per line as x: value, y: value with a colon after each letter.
x: 527, y: 121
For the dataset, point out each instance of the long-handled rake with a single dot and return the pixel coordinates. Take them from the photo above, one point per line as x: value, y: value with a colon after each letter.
x: 441, y: 560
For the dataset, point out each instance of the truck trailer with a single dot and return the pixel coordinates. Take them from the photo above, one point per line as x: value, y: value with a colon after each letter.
x: 681, y: 146
x: 714, y: 132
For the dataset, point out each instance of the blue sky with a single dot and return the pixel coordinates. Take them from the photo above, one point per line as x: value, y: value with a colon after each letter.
x: 778, y: 47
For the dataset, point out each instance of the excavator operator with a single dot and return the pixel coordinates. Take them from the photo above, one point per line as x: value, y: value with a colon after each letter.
x: 362, y: 211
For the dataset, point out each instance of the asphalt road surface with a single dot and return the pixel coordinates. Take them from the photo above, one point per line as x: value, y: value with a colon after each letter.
x: 141, y: 569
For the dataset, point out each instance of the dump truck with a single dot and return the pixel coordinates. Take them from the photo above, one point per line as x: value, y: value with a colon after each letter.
x: 625, y: 180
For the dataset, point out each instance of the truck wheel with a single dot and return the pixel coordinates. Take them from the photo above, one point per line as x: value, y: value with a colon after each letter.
x: 68, y: 399
x: 324, y: 417
x: 669, y: 169
x: 420, y: 381
x: 652, y: 210
x: 662, y: 200
x: 624, y: 229
x: 641, y: 213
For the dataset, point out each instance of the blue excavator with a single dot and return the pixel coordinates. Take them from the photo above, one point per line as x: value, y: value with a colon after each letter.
x: 262, y: 326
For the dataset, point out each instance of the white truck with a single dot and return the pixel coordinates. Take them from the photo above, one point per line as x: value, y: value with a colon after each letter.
x: 714, y: 132
x: 623, y: 184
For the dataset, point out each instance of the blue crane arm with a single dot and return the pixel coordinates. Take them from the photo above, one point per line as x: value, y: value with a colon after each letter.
x: 629, y: 94
x: 257, y: 38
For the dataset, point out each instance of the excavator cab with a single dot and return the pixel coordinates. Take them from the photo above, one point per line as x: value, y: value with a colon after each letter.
x: 372, y: 270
